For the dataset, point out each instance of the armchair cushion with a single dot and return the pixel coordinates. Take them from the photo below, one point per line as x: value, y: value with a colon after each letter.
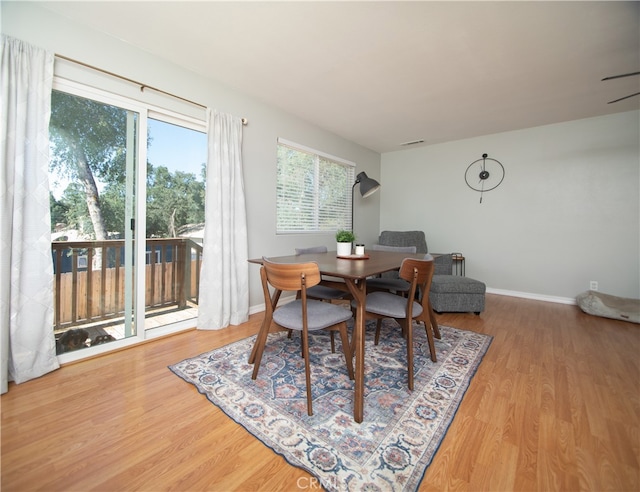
x: 443, y: 263
x: 454, y: 294
x: 404, y: 238
x: 396, y: 249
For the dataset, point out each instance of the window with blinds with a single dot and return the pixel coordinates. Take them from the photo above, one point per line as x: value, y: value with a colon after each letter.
x: 313, y: 190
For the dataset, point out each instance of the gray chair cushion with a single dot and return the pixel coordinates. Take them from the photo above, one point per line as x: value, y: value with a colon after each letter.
x: 321, y: 291
x: 313, y: 249
x: 390, y: 305
x: 319, y: 315
x: 396, y: 249
x: 394, y: 284
x: 326, y: 293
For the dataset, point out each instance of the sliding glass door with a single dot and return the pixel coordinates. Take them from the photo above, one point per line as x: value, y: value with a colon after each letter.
x: 177, y: 151
x: 127, y: 217
x: 94, y: 149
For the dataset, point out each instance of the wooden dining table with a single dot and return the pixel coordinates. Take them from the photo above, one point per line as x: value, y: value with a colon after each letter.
x: 351, y: 275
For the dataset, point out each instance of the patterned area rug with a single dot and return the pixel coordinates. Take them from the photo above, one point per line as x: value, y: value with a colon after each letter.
x: 401, y: 431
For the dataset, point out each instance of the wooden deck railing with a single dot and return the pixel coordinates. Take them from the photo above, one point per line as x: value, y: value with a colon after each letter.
x: 89, y: 278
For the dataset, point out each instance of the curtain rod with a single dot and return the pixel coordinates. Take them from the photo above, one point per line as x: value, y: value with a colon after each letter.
x: 135, y: 82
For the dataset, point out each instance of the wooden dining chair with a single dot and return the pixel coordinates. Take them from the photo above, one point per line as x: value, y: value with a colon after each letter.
x: 390, y: 281
x: 395, y: 284
x: 406, y: 310
x: 323, y: 292
x: 304, y: 315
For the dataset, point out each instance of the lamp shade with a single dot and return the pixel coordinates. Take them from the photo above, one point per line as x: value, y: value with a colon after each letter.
x: 368, y: 186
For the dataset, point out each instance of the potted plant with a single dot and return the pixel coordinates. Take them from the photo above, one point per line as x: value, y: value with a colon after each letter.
x: 345, y: 241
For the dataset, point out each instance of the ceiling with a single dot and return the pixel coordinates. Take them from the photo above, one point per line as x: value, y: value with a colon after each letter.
x: 385, y: 73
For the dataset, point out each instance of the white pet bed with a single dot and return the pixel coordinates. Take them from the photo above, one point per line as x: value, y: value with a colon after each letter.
x: 607, y: 306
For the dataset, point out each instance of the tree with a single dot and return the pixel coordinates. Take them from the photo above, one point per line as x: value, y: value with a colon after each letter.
x: 173, y: 200
x: 58, y: 211
x: 89, y: 146
x: 88, y: 140
x: 75, y: 205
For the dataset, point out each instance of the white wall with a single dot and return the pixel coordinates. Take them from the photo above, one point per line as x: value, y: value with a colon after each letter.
x: 32, y: 23
x: 567, y: 212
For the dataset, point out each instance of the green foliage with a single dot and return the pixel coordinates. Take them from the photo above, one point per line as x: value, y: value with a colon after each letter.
x: 88, y: 147
x: 82, y: 129
x: 77, y: 213
x: 176, y: 199
x: 58, y: 210
x: 344, y: 236
x: 112, y: 203
x: 179, y: 194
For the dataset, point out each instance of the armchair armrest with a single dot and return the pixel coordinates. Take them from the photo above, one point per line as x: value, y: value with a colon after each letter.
x: 443, y: 264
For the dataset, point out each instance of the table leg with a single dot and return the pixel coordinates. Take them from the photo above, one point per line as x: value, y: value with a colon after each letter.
x: 359, y: 292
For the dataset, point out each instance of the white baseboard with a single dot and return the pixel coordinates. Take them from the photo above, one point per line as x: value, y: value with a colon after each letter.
x: 258, y: 308
x: 528, y: 295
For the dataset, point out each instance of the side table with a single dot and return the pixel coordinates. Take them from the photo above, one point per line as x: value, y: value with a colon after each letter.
x: 458, y: 263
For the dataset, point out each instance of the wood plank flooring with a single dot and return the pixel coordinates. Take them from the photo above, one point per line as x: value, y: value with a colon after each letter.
x: 555, y: 405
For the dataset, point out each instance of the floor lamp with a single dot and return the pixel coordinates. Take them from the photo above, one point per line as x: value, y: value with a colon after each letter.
x: 368, y: 186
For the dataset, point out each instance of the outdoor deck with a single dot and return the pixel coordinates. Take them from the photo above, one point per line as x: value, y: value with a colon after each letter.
x: 90, y: 288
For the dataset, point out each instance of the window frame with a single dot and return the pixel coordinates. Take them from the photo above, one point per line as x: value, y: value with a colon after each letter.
x: 342, y: 213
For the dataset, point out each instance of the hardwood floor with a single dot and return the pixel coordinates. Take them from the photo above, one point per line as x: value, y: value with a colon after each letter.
x: 555, y: 405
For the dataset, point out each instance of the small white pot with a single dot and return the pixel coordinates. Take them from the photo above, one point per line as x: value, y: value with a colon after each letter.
x: 344, y: 249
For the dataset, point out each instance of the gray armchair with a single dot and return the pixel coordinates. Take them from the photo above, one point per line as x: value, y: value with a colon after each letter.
x: 443, y: 263
x: 404, y: 239
x: 449, y: 293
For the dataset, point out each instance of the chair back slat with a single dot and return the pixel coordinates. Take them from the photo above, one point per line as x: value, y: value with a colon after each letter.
x: 423, y: 271
x: 424, y: 267
x: 288, y: 276
x: 270, y: 300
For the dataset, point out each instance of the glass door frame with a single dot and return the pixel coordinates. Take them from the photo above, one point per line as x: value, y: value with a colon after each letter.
x: 191, y: 123
x: 134, y: 271
x: 145, y: 111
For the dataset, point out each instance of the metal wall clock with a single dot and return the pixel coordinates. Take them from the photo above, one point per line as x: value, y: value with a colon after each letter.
x: 485, y: 174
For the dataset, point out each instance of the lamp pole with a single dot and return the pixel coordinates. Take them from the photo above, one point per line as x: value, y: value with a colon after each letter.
x: 368, y: 186
x: 353, y: 199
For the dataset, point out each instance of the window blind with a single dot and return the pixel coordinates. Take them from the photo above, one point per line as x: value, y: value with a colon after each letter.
x: 313, y: 190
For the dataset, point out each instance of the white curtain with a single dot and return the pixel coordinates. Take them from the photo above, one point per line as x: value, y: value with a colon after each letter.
x: 26, y: 268
x: 224, y: 278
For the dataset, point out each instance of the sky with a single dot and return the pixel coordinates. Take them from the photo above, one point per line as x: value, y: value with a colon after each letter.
x: 176, y: 148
